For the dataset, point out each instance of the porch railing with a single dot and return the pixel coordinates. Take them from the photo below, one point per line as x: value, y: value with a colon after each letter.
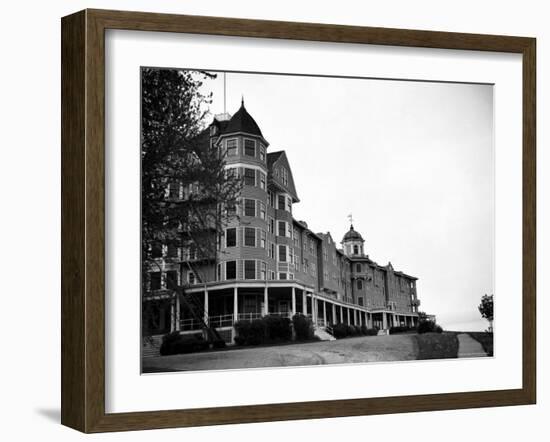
x: 221, y: 321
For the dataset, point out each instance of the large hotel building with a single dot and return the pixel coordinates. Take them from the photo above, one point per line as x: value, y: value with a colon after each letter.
x: 271, y: 263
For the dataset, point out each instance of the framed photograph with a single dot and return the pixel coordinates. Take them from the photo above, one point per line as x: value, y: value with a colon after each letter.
x: 269, y: 220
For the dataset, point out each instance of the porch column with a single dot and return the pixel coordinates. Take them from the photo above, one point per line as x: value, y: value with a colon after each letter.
x: 355, y: 317
x: 172, y: 316
x: 384, y: 321
x: 266, y: 301
x: 206, y: 307
x: 341, y: 314
x: 347, y: 310
x: 334, y: 313
x: 314, y: 309
x: 325, y: 313
x: 235, y: 304
x: 304, y: 303
x: 360, y: 318
x: 293, y: 301
x: 178, y: 313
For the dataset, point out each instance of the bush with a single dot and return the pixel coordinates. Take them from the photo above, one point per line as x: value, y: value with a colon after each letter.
x: 250, y: 332
x: 277, y: 328
x: 427, y: 326
x: 303, y: 327
x: 218, y: 343
x: 340, y: 330
x: 372, y: 331
x: 175, y: 343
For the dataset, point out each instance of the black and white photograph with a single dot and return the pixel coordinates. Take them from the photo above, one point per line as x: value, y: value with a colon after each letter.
x: 303, y: 220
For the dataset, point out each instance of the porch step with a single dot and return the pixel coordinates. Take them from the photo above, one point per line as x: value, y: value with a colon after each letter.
x: 151, y: 347
x: 323, y: 335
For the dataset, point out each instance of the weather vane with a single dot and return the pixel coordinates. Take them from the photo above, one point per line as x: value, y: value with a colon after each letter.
x: 350, y: 217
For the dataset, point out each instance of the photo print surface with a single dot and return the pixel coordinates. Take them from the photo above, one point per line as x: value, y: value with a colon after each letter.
x: 294, y: 220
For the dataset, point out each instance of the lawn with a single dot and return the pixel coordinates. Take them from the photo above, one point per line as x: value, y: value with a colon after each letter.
x: 437, y: 345
x: 485, y: 339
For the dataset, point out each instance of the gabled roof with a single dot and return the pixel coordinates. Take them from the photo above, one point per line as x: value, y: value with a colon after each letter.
x: 276, y: 160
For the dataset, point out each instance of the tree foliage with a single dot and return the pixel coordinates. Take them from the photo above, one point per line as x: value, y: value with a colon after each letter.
x: 184, y: 186
x: 486, y: 309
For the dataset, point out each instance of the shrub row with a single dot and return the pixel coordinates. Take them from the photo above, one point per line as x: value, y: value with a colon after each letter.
x: 270, y: 328
x: 174, y: 343
x: 344, y: 330
x: 401, y: 329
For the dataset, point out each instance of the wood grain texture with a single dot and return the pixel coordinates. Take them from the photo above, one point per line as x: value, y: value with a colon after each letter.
x: 83, y: 220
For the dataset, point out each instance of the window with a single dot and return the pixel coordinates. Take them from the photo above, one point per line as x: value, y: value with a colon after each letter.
x: 358, y: 268
x: 271, y: 198
x: 262, y: 210
x: 281, y: 228
x: 249, y: 207
x: 313, y: 269
x: 262, y: 181
x: 360, y: 300
x: 282, y: 276
x: 311, y: 246
x: 249, y: 177
x: 171, y: 279
x: 355, y: 250
x: 284, y: 176
x: 271, y: 274
x: 249, y: 269
x: 171, y: 251
x: 231, y: 148
x: 325, y: 253
x: 231, y: 270
x: 289, y: 204
x: 250, y: 148
x: 289, y: 230
x: 291, y: 255
x: 281, y: 199
x: 282, y: 253
x: 262, y: 239
x: 262, y: 153
x: 191, y: 278
x: 271, y: 225
x: 156, y: 250
x: 155, y: 280
x: 296, y: 237
x: 263, y: 271
x: 231, y: 237
x: 272, y: 250
x: 174, y: 190
x: 359, y: 284
x: 250, y: 236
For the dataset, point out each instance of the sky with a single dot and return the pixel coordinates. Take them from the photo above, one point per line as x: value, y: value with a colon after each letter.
x: 411, y: 161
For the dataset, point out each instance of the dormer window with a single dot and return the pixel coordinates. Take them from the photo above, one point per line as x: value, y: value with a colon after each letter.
x: 356, y: 250
x: 250, y: 148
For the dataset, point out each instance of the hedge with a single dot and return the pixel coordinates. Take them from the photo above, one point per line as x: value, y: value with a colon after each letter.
x: 175, y: 343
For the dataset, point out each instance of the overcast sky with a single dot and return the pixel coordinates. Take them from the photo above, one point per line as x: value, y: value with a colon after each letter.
x: 412, y: 161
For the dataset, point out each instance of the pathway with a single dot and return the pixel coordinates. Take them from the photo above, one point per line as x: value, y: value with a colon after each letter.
x: 468, y: 347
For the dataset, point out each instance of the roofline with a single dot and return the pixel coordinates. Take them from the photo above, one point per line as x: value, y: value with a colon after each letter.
x: 244, y: 133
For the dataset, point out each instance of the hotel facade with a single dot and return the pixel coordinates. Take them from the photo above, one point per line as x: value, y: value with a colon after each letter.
x: 268, y: 262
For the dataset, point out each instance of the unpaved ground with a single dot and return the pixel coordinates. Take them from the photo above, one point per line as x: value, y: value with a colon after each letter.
x: 360, y: 349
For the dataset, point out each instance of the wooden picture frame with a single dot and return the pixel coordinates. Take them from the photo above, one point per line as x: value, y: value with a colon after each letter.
x: 83, y: 220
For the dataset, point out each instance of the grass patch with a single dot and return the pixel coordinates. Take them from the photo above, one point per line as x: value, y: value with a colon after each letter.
x: 437, y: 345
x: 485, y: 339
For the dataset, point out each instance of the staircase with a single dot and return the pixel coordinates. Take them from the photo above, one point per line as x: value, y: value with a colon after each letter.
x: 151, y: 347
x: 323, y: 335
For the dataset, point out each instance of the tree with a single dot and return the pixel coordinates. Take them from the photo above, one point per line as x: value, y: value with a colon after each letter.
x: 486, y: 309
x: 184, y: 184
